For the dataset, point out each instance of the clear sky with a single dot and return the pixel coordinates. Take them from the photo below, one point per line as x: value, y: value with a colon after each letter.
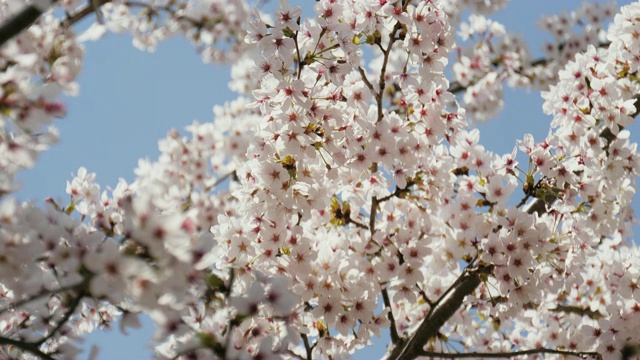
x: 130, y: 99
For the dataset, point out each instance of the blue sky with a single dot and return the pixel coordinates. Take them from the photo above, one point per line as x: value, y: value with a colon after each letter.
x: 130, y: 99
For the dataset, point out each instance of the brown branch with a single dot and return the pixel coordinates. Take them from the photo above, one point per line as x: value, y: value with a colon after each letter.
x: 395, y: 338
x: 430, y: 326
x: 356, y: 223
x: 539, y: 205
x: 383, y: 70
x: 572, y: 309
x: 308, y: 349
x: 424, y: 296
x: 19, y: 22
x: 300, y: 62
x: 39, y: 295
x: 524, y: 200
x: 507, y: 355
x: 366, y: 80
x: 26, y: 347
x: 67, y: 315
x: 444, y: 308
x: 96, y: 4
x: 372, y: 215
x: 293, y: 353
x: 84, y: 12
x: 455, y: 87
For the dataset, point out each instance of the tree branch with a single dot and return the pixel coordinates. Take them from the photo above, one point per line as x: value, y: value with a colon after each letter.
x: 467, y: 284
x: 366, y: 81
x: 448, y: 304
x: 356, y: 223
x: 84, y: 12
x: 578, y: 311
x: 308, y: 349
x: 512, y: 354
x: 300, y: 62
x: 232, y: 174
x: 372, y: 215
x: 395, y: 338
x: 20, y: 22
x: 383, y: 70
x: 67, y: 315
x: 27, y: 347
x: 455, y: 87
x: 39, y: 295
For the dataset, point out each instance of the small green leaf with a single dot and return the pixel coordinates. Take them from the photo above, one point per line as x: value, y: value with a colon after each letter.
x: 214, y: 282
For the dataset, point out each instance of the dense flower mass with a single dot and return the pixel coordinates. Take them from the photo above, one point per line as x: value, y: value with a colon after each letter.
x: 344, y: 192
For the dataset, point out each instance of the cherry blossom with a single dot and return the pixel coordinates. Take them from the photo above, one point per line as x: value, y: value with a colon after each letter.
x: 345, y: 191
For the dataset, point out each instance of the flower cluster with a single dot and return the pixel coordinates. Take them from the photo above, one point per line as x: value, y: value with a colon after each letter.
x: 323, y: 156
x: 37, y: 67
x: 214, y: 27
x: 491, y: 56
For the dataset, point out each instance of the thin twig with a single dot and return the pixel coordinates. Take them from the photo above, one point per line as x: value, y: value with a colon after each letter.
x: 67, y: 315
x: 223, y: 178
x: 455, y: 86
x: 82, y: 13
x: 293, y: 353
x: 383, y: 69
x: 308, y: 349
x: 572, y: 309
x: 363, y: 74
x: 424, y: 296
x: 372, y: 215
x: 27, y: 347
x: 512, y: 354
x: 39, y: 295
x: 357, y: 223
x: 300, y: 62
x: 395, y: 338
x: 523, y: 201
x: 388, y: 197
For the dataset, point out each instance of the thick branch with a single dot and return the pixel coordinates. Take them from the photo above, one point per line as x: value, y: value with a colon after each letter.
x: 443, y: 310
x: 19, y: 22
